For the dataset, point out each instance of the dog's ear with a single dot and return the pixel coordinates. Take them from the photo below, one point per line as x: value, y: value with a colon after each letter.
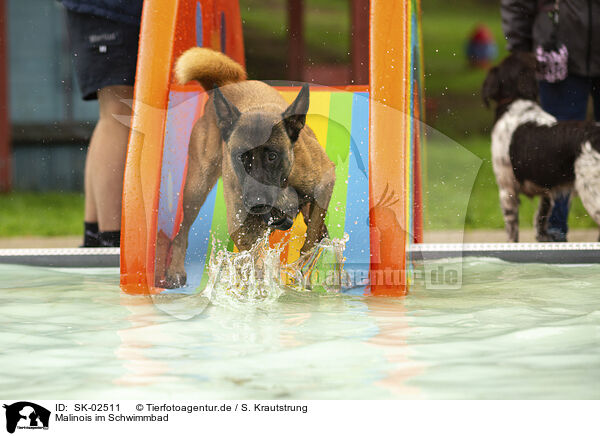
x: 294, y: 117
x: 491, y: 87
x: 527, y: 84
x: 227, y: 114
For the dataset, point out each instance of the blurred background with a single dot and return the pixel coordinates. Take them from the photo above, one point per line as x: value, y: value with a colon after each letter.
x: 49, y: 124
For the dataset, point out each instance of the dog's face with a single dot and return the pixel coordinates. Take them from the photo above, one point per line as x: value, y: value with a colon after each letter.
x: 260, y: 144
x: 513, y: 79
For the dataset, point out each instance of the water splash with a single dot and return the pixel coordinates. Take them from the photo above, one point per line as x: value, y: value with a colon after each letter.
x: 257, y: 278
x: 321, y: 269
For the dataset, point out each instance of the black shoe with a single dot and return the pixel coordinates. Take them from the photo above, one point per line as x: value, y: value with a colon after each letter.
x: 110, y: 239
x: 557, y: 235
x: 90, y: 235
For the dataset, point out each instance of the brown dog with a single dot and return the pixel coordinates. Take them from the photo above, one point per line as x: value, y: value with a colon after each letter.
x: 271, y: 163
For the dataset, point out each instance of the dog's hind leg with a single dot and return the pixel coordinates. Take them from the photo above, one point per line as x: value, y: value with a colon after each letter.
x: 587, y: 181
x: 509, y: 202
x: 540, y: 220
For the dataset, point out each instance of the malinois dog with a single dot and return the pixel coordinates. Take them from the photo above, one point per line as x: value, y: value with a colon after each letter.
x: 272, y: 165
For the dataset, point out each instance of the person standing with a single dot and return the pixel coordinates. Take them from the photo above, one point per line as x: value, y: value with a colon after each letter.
x: 535, y: 25
x: 104, y: 40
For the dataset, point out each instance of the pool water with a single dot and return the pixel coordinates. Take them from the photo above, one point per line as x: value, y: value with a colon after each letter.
x: 510, y: 331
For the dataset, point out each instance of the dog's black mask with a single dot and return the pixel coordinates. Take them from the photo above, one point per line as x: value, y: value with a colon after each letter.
x: 282, y: 214
x: 260, y: 145
x: 513, y: 79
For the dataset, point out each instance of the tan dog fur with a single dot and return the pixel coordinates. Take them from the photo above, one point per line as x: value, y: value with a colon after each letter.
x: 312, y: 173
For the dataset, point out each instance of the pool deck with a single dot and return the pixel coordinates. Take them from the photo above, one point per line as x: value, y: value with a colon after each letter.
x: 41, y: 242
x: 436, y: 236
x: 483, y: 235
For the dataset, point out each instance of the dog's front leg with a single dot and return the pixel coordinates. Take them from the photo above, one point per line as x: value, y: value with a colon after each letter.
x: 509, y: 201
x: 315, y: 222
x: 245, y: 234
x: 541, y: 219
x: 196, y: 189
x: 315, y: 226
x: 204, y: 169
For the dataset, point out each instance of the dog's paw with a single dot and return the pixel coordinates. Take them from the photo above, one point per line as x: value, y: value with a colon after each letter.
x: 173, y: 280
x: 307, y: 246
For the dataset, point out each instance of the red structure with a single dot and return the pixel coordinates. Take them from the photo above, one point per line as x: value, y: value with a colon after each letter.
x: 357, y: 73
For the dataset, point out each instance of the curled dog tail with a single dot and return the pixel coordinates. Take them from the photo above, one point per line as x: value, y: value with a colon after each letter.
x: 209, y: 67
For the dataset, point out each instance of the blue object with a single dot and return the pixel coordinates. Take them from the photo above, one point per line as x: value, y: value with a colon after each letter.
x: 481, y: 48
x: 557, y: 223
x: 129, y: 11
x: 567, y: 100
x: 223, y: 32
x: 482, y: 52
x: 199, y: 29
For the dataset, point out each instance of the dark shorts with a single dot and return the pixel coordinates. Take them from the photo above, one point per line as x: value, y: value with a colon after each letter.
x: 105, y: 52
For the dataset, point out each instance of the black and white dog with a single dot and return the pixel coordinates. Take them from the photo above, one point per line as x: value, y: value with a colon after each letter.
x: 533, y: 153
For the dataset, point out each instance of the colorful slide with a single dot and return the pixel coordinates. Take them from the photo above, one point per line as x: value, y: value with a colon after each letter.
x: 372, y: 137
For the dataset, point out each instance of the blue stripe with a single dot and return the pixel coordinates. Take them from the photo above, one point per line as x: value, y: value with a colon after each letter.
x: 223, y: 32
x: 195, y: 257
x: 179, y: 123
x: 199, y: 36
x: 357, y: 202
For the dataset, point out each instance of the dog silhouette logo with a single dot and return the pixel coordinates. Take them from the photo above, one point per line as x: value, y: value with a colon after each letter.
x: 26, y: 415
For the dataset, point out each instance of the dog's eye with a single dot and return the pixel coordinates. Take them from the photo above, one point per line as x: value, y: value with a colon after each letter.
x: 272, y: 156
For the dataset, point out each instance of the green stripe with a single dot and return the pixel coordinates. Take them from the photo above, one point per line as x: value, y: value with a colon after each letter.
x: 218, y: 230
x: 338, y: 147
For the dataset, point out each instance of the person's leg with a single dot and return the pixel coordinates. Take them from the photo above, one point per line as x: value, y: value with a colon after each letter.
x: 105, y: 162
x: 566, y: 100
x: 557, y: 223
x: 90, y: 219
x: 596, y: 97
x: 90, y: 231
x: 105, y: 72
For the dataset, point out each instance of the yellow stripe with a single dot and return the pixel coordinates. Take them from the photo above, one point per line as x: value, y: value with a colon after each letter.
x: 318, y: 121
x: 288, y: 96
x: 296, y: 238
x: 318, y: 115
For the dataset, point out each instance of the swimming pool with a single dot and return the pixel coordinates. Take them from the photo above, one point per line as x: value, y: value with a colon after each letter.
x: 510, y: 331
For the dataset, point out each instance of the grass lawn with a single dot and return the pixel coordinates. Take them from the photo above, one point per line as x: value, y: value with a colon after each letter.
x: 461, y: 189
x: 454, y: 198
x: 41, y: 214
x: 452, y: 87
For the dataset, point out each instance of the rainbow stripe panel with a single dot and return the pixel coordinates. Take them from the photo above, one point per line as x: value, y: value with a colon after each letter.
x: 340, y: 120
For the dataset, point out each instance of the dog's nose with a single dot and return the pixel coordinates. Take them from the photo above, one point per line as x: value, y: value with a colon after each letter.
x: 260, y: 209
x: 283, y: 223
